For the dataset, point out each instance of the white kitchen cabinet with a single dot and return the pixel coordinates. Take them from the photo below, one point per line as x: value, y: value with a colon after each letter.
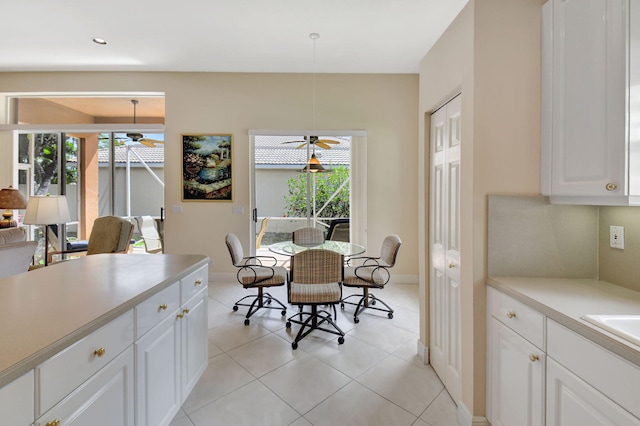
x: 17, y: 401
x: 194, y: 341
x: 103, y: 400
x: 571, y: 401
x: 158, y: 373
x: 516, y: 367
x: 171, y: 357
x: 590, y: 105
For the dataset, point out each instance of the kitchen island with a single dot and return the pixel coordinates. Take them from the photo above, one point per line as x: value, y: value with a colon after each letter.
x: 47, y: 315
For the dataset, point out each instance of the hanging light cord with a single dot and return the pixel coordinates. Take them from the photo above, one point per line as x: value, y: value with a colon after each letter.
x: 314, y: 37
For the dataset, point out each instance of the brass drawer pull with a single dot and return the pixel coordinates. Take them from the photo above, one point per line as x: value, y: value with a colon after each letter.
x: 198, y: 282
x: 511, y: 314
x: 534, y: 357
x: 185, y: 311
x: 55, y: 422
x: 162, y: 307
x: 179, y: 315
x: 100, y: 352
x: 611, y: 187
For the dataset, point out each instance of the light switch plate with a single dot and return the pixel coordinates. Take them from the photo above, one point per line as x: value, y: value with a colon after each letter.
x: 616, y: 237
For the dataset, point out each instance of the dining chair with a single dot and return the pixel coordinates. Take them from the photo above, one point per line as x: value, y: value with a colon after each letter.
x: 316, y: 277
x: 254, y: 273
x: 149, y: 234
x: 308, y: 236
x: 373, y: 273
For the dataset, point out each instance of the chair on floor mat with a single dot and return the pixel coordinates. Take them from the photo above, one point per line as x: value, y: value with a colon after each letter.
x: 253, y: 272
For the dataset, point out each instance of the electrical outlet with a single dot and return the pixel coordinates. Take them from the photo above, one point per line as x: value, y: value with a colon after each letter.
x: 616, y: 237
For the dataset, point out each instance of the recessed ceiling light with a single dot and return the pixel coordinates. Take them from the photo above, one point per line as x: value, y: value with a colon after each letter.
x: 99, y: 41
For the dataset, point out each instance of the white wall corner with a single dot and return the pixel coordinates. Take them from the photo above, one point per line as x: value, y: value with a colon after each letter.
x: 423, y: 352
x: 465, y: 418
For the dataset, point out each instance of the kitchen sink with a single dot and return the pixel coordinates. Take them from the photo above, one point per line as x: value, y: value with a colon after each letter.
x: 624, y: 326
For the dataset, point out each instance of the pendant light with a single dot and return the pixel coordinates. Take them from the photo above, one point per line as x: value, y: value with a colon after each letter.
x: 313, y: 165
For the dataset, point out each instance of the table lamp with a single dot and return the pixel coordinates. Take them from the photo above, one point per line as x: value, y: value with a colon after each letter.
x: 47, y: 210
x: 10, y: 199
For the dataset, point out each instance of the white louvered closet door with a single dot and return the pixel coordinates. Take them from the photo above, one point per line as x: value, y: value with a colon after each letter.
x: 444, y: 238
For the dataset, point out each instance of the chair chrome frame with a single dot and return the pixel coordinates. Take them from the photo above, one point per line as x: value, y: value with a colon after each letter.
x: 253, y: 273
x: 305, y: 272
x: 372, y: 274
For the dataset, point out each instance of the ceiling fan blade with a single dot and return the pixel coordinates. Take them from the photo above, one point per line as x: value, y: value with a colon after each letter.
x: 329, y: 141
x: 293, y: 142
x: 301, y: 145
x: 151, y: 143
x: 321, y: 144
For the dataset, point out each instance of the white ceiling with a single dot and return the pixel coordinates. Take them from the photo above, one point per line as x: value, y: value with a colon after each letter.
x: 356, y: 36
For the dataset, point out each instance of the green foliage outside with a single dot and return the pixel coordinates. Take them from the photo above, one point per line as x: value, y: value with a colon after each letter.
x: 46, y: 162
x: 326, y: 185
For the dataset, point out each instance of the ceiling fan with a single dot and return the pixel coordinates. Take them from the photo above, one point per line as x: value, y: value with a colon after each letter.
x: 139, y: 137
x: 313, y: 140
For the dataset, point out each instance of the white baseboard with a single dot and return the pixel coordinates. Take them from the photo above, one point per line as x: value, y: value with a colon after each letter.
x: 465, y: 418
x: 423, y: 352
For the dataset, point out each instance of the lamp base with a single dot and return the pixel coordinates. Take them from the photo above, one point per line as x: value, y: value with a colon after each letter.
x: 8, y: 221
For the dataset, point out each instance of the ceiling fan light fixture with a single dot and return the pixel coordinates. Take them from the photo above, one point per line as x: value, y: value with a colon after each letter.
x: 314, y: 166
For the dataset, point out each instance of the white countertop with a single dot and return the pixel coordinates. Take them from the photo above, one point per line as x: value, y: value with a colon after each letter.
x: 566, y: 300
x: 45, y: 310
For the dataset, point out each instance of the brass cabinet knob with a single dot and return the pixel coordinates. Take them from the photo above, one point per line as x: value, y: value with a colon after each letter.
x: 611, y: 187
x: 179, y: 315
x: 511, y: 314
x: 55, y: 422
x: 198, y: 282
x: 99, y: 352
x: 534, y: 357
x: 162, y: 307
x: 452, y: 265
x: 185, y: 311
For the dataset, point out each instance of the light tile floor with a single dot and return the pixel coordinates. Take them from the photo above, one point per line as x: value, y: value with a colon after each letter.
x: 254, y: 377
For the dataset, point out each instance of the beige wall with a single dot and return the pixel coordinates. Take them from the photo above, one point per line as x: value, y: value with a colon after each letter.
x: 491, y: 54
x: 383, y: 105
x: 617, y: 266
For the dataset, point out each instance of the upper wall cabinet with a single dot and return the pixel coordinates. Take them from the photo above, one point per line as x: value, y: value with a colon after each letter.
x: 591, y: 102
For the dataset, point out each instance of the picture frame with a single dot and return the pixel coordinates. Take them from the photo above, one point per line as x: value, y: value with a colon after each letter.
x: 207, y: 173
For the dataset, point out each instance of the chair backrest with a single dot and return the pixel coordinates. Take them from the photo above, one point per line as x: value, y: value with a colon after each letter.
x: 389, y: 251
x: 263, y: 229
x: 149, y: 234
x: 308, y: 236
x: 110, y: 234
x: 16, y: 257
x: 235, y: 249
x: 338, y: 230
x: 317, y: 266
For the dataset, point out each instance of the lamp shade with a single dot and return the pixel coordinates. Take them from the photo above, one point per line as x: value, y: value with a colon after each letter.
x: 314, y: 166
x: 47, y: 210
x: 11, y: 198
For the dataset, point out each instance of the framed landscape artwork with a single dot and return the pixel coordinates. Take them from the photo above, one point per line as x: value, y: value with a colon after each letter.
x: 206, y: 167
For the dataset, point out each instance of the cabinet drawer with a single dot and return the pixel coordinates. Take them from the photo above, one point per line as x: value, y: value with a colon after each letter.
x: 615, y: 377
x: 519, y: 317
x: 105, y: 399
x: 65, y: 371
x: 156, y: 308
x: 193, y: 283
x: 17, y: 401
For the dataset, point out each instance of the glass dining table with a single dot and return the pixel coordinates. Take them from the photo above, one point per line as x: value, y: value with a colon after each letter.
x: 288, y: 248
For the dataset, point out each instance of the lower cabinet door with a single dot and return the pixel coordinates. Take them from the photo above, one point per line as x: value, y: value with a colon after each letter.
x: 106, y: 399
x: 195, y: 348
x: 571, y: 401
x: 158, y: 374
x: 517, y: 379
